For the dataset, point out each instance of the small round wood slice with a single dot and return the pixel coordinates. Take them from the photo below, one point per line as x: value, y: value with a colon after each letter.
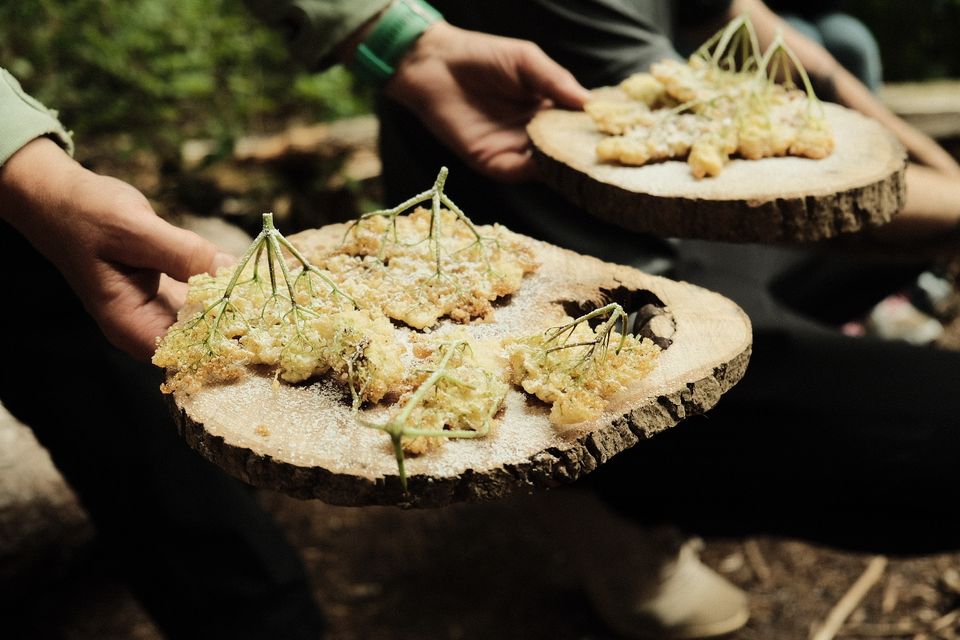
x: 861, y: 184
x: 304, y: 440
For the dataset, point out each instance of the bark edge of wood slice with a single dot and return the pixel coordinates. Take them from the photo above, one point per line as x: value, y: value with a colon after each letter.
x: 860, y: 185
x: 301, y: 439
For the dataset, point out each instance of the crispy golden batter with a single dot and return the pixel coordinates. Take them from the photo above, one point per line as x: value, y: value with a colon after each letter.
x: 396, y: 266
x: 332, y: 314
x: 580, y: 373
x: 465, y: 398
x: 706, y: 111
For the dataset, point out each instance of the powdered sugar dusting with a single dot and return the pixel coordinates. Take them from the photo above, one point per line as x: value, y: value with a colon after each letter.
x: 863, y: 155
x: 313, y: 425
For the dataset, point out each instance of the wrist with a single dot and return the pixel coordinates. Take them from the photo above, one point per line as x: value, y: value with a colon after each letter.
x: 388, y: 40
x: 33, y: 180
x: 422, y: 63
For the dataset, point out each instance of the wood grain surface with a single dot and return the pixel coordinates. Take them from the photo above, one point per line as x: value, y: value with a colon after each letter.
x: 861, y: 184
x: 303, y: 439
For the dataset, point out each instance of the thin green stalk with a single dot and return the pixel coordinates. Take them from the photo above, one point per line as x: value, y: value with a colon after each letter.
x: 437, y: 199
x: 397, y: 428
x: 777, y: 50
x: 268, y: 241
x: 596, y: 348
x: 738, y: 34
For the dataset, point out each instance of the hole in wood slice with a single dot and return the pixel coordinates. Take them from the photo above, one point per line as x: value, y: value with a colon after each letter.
x: 647, y: 315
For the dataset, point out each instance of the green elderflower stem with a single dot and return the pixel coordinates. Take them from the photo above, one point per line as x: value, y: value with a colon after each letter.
x: 273, y: 241
x: 397, y: 428
x: 613, y: 310
x: 256, y: 247
x: 309, y: 268
x: 268, y: 241
x: 723, y: 46
x: 783, y: 58
x: 740, y: 36
x: 437, y: 198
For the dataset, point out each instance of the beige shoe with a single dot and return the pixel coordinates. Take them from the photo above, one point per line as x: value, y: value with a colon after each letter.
x: 687, y: 600
x: 643, y: 583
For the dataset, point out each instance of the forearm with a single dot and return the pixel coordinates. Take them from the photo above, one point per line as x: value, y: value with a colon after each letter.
x: 923, y: 149
x: 32, y: 138
x: 33, y: 184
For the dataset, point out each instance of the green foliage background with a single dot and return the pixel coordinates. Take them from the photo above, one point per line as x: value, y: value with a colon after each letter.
x: 164, y: 70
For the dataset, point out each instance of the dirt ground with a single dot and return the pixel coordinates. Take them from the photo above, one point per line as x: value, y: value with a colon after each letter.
x: 490, y: 571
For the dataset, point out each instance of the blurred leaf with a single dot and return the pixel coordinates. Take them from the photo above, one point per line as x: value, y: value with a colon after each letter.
x: 164, y: 70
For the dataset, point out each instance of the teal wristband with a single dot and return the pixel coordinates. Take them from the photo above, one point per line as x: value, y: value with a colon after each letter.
x: 396, y: 31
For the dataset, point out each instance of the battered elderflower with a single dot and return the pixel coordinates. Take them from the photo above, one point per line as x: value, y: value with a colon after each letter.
x: 724, y: 100
x: 431, y: 264
x: 330, y: 311
x: 265, y: 312
x: 577, y: 368
x: 455, y: 397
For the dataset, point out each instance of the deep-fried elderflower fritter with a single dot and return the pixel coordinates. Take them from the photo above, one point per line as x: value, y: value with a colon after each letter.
x: 713, y: 106
x: 465, y: 398
x: 577, y: 369
x: 264, y: 312
x: 455, y: 396
x: 418, y: 269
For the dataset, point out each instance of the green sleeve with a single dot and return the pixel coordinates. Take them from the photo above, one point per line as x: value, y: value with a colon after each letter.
x: 22, y: 119
x: 315, y: 27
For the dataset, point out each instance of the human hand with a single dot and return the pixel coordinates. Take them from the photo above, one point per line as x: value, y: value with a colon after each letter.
x: 127, y: 265
x: 476, y: 93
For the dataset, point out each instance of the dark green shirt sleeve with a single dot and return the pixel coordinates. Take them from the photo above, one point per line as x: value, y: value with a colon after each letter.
x: 22, y: 119
x: 600, y: 41
x: 315, y: 27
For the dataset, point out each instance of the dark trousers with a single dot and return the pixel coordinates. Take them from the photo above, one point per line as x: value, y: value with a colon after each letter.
x: 192, y: 543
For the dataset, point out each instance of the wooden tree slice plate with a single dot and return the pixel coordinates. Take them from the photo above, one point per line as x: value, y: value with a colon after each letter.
x: 303, y: 439
x: 861, y: 184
